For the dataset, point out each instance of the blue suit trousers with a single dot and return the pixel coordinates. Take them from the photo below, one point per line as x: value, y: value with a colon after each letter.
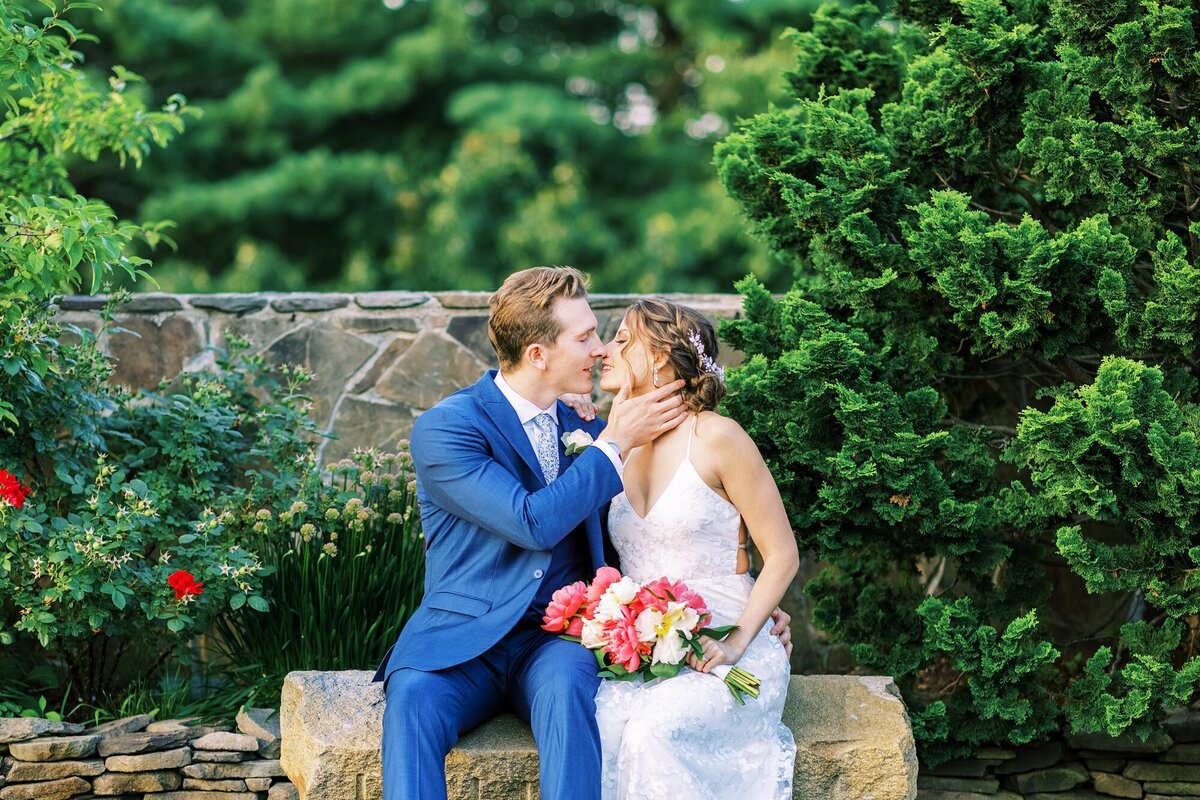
x: 546, y: 681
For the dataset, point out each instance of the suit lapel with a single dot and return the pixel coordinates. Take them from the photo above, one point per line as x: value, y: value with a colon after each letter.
x: 502, y: 415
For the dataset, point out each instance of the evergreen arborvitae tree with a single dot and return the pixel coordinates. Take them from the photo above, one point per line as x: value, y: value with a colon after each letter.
x: 987, y: 367
x: 440, y: 145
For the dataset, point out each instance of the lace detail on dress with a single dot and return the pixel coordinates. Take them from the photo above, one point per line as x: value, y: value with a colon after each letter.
x: 686, y: 736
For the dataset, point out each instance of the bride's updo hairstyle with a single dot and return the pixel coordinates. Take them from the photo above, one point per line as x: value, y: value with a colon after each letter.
x: 665, y: 327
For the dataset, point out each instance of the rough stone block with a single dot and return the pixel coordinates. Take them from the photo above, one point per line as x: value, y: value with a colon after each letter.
x: 1115, y: 785
x: 953, y: 784
x: 226, y: 741
x: 1173, y: 788
x: 54, y: 748
x: 409, y: 380
x: 47, y: 790
x: 852, y: 734
x: 1183, y: 724
x: 246, y: 769
x: 961, y: 768
x: 1105, y: 764
x: 152, y: 350
x: 1182, y: 754
x: 142, y: 742
x: 150, y: 303
x: 200, y: 794
x: 312, y: 301
x: 120, y: 727
x: 939, y: 794
x: 226, y: 785
x: 463, y: 299
x: 283, y: 791
x: 24, y: 771
x: 229, y: 303
x: 263, y: 725
x: 1053, y: 779
x: 390, y: 299
x: 148, y: 762
x: 1157, y: 742
x: 19, y: 729
x: 111, y: 783
x: 1166, y: 773
x: 220, y: 756
x: 1031, y: 758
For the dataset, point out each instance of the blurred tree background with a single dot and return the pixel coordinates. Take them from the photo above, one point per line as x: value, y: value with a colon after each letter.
x: 357, y: 145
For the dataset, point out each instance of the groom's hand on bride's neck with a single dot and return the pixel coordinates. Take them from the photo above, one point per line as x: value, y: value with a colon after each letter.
x: 634, y: 421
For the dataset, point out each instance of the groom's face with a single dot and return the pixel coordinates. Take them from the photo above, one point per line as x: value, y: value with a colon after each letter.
x: 570, y: 359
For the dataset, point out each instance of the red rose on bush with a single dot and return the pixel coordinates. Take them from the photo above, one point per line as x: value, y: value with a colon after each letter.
x: 11, y: 490
x: 184, y: 584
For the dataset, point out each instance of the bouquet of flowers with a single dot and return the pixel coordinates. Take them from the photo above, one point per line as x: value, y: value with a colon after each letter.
x: 636, y: 630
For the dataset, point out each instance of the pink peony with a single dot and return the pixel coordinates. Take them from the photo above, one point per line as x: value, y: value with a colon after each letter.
x: 565, y: 604
x: 576, y: 626
x: 605, y: 577
x: 623, y: 646
x: 685, y: 595
x: 656, y: 594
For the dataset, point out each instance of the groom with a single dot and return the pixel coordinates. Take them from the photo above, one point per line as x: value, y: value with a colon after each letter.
x: 508, y: 519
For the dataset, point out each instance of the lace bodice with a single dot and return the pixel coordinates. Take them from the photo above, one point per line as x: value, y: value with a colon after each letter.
x: 689, y: 532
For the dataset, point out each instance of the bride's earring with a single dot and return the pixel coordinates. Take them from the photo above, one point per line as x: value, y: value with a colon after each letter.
x: 654, y: 376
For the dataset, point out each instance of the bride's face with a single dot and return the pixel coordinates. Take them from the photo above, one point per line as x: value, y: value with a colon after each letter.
x: 626, y: 359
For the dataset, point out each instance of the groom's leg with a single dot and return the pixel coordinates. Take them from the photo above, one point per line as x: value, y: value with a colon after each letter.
x: 554, y: 688
x: 425, y: 714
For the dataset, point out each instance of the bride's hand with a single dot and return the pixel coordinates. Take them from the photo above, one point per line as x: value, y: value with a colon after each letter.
x: 715, y: 653
x: 581, y: 404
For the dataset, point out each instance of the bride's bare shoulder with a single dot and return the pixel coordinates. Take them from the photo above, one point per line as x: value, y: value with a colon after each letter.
x: 719, y: 431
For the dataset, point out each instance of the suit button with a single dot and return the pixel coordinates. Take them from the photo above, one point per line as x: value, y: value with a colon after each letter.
x: 537, y: 573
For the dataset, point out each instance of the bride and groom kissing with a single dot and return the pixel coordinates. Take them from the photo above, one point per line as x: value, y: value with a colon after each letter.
x: 667, y: 488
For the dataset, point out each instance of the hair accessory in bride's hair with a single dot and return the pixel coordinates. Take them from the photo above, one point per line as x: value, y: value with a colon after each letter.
x: 706, y: 362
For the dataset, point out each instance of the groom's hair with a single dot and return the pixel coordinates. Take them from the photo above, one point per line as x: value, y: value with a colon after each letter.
x: 522, y: 310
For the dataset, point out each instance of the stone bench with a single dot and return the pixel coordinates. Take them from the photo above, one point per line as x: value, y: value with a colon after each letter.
x: 853, y: 742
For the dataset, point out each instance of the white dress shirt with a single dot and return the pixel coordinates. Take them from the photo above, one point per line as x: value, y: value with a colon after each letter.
x: 527, y: 411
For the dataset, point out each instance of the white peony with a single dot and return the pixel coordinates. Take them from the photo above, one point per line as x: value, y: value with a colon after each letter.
x: 593, y: 637
x: 616, y: 595
x: 647, y: 624
x: 576, y: 441
x: 669, y: 649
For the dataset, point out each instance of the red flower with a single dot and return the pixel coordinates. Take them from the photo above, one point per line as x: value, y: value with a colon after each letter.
x: 184, y: 584
x: 563, y: 608
x: 11, y: 490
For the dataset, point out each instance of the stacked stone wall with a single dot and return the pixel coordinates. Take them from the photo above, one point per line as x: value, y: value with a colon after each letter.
x: 137, y: 757
x: 380, y: 358
x: 1079, y: 767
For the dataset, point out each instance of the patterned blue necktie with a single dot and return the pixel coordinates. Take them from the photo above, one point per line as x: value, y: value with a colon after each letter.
x: 547, y: 445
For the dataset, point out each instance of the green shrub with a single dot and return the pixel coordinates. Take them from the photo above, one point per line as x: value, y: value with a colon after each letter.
x: 987, y: 368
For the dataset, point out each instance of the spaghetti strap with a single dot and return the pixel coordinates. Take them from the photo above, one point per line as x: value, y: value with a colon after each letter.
x: 688, y: 456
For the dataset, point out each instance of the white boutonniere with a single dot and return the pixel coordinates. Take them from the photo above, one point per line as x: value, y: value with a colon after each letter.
x: 575, y: 441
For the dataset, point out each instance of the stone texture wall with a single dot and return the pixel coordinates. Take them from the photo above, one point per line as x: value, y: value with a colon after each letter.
x: 1091, y: 766
x: 380, y: 358
x: 137, y: 757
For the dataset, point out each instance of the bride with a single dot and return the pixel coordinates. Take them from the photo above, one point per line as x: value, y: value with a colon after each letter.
x: 689, y: 497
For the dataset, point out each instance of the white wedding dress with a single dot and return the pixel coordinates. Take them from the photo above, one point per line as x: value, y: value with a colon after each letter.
x: 686, y: 737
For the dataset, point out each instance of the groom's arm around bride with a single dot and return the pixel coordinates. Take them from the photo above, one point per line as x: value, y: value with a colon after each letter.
x: 508, y: 518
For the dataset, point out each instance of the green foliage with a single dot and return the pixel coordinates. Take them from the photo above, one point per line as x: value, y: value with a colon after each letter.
x: 990, y: 350
x: 347, y: 571
x: 1118, y: 700
x: 442, y: 145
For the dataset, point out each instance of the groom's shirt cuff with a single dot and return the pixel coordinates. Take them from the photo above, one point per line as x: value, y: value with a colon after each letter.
x: 610, y: 449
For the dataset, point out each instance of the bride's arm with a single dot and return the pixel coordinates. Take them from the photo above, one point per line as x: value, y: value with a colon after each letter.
x: 751, y: 488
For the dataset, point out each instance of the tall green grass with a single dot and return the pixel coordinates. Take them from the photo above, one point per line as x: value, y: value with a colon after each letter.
x: 344, y: 571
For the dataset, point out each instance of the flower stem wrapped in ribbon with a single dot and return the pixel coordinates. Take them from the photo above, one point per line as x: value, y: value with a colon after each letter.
x: 634, y: 630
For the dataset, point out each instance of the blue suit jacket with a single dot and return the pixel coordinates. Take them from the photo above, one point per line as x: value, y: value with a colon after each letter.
x: 490, y: 522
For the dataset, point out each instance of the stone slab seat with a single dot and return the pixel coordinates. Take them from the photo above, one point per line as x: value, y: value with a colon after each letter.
x: 853, y: 742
